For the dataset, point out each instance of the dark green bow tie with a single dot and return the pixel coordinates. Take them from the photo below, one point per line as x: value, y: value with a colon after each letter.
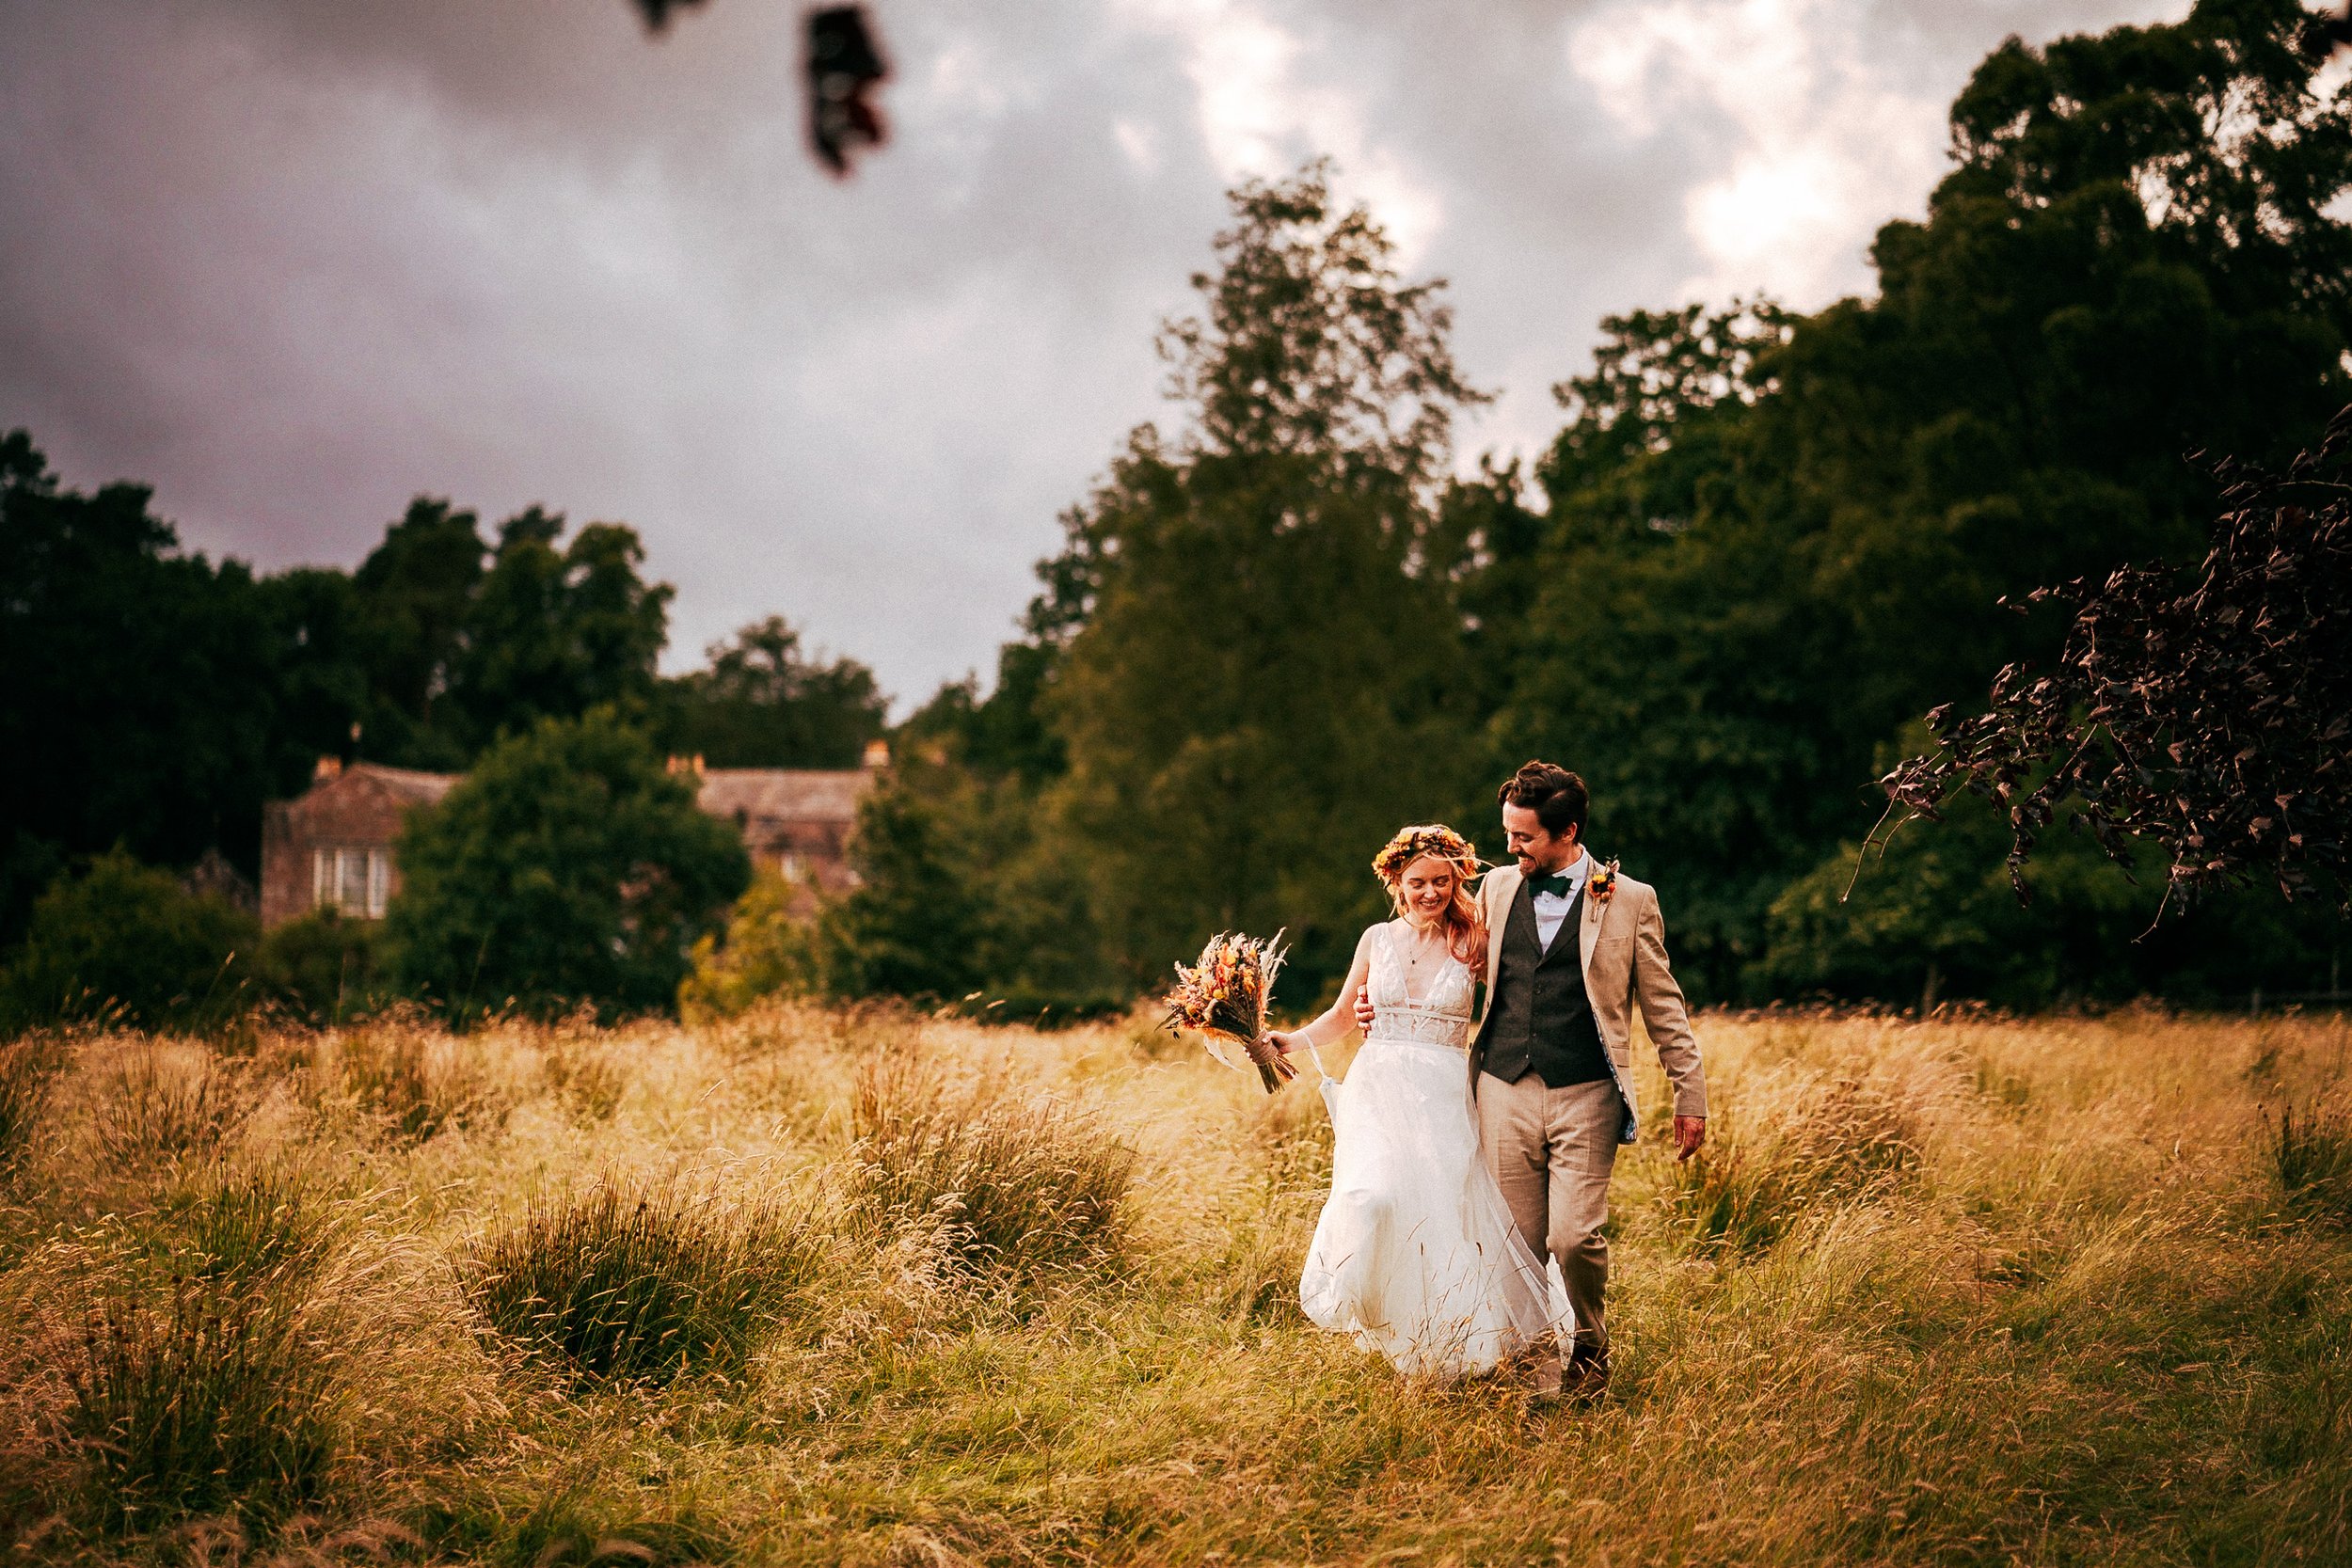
x: 1558, y: 886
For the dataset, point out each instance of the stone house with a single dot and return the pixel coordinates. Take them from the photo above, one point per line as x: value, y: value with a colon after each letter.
x: 332, y: 845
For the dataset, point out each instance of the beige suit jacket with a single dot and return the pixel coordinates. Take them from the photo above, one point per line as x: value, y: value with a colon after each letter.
x: 1623, y: 945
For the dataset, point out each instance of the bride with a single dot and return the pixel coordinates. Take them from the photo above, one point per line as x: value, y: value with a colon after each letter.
x: 1415, y: 1254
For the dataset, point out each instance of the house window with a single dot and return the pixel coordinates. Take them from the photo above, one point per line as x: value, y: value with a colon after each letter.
x: 789, y: 863
x: 356, y: 881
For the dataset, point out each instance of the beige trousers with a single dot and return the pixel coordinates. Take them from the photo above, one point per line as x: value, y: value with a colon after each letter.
x: 1552, y: 1152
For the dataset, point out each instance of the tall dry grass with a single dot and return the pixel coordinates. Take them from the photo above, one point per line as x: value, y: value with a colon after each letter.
x: 870, y: 1286
x: 638, y: 1279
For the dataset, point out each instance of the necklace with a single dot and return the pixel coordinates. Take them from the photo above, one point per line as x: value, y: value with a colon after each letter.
x: 1420, y: 948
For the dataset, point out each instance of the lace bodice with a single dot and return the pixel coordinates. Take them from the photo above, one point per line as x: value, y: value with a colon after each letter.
x: 1441, y: 1016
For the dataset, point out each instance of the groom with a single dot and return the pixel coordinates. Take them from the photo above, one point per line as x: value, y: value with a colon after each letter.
x: 1569, y: 959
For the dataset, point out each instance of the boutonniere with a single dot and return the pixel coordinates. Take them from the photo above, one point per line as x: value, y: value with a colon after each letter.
x: 1603, y: 884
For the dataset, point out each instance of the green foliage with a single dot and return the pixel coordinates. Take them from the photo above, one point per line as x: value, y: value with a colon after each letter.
x: 121, y: 939
x: 1001, y: 1184
x: 913, y: 925
x: 1935, y: 913
x: 553, y: 633
x: 1932, y: 915
x: 413, y: 601
x: 567, y: 868
x: 958, y: 892
x: 1804, y: 542
x: 322, y: 967
x: 763, y: 703
x: 219, y: 1403
x: 433, y: 648
x: 1006, y: 734
x: 637, y: 1280
x: 439, y: 643
x: 769, y: 947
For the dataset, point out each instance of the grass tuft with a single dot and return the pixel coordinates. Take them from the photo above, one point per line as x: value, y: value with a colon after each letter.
x: 585, y: 1079
x: 1743, y: 1192
x: 253, y: 1225
x: 219, y: 1403
x: 154, y: 1109
x: 28, y: 1070
x: 1011, y: 1185
x: 395, y: 1075
x: 2312, y: 1160
x: 636, y: 1280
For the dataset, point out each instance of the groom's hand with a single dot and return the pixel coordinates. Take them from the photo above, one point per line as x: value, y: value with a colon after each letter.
x: 1690, y: 1132
x: 1363, y: 1009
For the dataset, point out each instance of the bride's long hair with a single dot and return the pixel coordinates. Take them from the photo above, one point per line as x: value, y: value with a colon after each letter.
x: 1464, y: 930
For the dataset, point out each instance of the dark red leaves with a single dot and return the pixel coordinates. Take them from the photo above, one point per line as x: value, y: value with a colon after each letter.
x: 2206, y: 709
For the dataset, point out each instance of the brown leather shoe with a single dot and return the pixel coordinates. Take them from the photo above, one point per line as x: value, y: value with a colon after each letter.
x: 1585, y: 1379
x: 1537, y: 1372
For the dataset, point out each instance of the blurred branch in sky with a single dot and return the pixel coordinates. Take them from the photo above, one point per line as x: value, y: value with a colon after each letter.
x: 844, y: 64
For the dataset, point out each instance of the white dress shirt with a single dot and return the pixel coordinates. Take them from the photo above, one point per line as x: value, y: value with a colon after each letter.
x: 1551, y: 909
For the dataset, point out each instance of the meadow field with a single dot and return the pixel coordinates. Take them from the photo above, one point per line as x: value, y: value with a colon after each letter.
x: 876, y: 1287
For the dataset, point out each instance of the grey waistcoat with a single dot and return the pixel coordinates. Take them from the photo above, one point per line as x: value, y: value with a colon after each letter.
x: 1541, y: 1017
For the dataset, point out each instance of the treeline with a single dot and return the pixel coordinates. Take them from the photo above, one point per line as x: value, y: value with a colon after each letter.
x: 155, y: 698
x: 1761, y: 546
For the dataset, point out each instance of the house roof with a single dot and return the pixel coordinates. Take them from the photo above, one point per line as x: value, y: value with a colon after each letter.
x: 410, y: 783
x: 784, y: 794
x: 743, y: 794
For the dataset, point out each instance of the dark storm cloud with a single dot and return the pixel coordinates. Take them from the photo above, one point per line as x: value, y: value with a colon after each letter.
x: 295, y: 262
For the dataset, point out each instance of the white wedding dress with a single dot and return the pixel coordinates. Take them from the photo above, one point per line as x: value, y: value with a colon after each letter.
x: 1415, y: 1254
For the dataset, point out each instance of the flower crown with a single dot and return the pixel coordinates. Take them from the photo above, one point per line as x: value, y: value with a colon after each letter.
x: 1434, y: 838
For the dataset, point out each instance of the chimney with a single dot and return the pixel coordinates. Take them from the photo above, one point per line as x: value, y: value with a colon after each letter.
x: 328, y: 768
x: 876, y: 755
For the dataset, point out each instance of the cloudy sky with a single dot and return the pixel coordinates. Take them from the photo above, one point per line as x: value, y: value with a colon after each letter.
x: 294, y: 261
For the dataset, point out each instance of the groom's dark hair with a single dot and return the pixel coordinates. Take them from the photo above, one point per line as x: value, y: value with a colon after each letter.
x: 1556, y: 796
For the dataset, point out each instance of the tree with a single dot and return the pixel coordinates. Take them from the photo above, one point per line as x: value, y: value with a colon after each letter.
x: 763, y: 703
x: 413, y: 606
x: 552, y: 633
x: 912, y: 928
x: 121, y: 939
x: 567, y: 867
x: 2134, y: 257
x: 768, y: 948
x: 141, y: 686
x: 437, y: 645
x: 1666, y: 651
x: 1257, y: 670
